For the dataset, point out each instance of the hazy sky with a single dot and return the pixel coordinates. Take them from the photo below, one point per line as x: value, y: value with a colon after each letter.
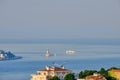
x: 59, y: 19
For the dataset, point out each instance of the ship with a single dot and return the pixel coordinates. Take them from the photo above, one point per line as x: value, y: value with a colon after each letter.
x: 70, y: 52
x: 8, y: 56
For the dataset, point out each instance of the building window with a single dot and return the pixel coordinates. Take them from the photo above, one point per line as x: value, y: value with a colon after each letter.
x: 57, y: 73
x: 44, y: 73
x: 63, y: 73
x: 52, y: 73
x: 31, y: 77
x: 39, y: 73
x: 61, y: 77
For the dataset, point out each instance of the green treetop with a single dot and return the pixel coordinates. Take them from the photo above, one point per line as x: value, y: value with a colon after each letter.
x: 69, y: 76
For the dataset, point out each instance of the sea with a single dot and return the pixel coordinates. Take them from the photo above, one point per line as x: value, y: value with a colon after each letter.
x: 90, y: 57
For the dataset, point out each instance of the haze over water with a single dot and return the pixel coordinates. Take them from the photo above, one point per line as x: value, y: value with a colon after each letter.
x: 29, y: 27
x: 86, y: 57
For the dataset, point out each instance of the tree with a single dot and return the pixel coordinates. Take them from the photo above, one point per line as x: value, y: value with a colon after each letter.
x: 103, y: 72
x: 85, y: 73
x: 54, y: 78
x: 111, y: 78
x: 113, y: 68
x: 69, y: 76
x: 82, y: 75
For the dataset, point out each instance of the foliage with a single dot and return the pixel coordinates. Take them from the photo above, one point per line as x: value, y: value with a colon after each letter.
x: 54, y: 78
x: 105, y: 74
x: 69, y: 76
x: 102, y: 71
x: 85, y: 73
x: 110, y: 78
x: 113, y: 68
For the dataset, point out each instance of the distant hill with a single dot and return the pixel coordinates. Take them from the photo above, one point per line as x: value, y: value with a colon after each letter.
x: 8, y: 56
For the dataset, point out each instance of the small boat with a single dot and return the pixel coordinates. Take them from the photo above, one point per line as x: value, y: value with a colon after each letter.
x: 70, y: 52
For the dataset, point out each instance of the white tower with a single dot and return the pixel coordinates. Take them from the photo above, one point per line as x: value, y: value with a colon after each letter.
x: 47, y: 54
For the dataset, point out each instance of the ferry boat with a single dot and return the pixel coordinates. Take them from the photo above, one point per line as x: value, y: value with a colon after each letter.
x: 70, y: 52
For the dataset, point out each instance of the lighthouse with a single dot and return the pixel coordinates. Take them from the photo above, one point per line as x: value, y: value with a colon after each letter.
x: 47, y: 54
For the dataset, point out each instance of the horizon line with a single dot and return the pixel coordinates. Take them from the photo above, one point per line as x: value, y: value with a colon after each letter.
x: 65, y: 41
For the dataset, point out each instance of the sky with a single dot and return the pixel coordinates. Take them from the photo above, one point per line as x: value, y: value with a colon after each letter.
x: 59, y: 19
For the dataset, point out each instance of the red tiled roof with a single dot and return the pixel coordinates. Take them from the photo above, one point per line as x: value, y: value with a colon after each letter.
x: 55, y: 69
x: 95, y: 77
x: 60, y: 69
x: 115, y: 70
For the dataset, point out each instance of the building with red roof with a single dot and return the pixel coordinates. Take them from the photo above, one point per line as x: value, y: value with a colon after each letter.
x: 115, y: 73
x: 95, y: 76
x: 49, y: 72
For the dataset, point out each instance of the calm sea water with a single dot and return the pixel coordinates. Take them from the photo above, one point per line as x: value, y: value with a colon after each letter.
x: 86, y: 57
